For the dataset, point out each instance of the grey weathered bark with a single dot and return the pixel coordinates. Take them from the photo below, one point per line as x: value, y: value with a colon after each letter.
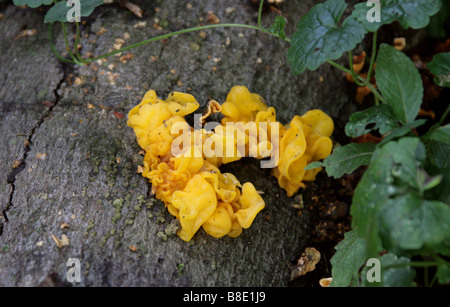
x: 79, y: 166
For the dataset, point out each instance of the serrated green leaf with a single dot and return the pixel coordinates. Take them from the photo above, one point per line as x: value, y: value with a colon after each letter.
x: 379, y: 117
x: 439, y: 154
x: 394, y: 271
x: 277, y: 27
x: 32, y: 3
x: 59, y: 11
x: 320, y: 38
x: 345, y: 159
x: 349, y: 257
x: 410, y: 13
x: 399, y: 82
x: 440, y: 67
x: 441, y: 134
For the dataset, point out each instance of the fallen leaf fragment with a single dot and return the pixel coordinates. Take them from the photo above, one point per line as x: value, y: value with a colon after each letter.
x: 133, y: 248
x: 133, y: 8
x: 306, y: 263
x: 64, y: 241
x: 41, y: 156
x: 26, y: 33
x: 119, y: 115
x: 325, y: 282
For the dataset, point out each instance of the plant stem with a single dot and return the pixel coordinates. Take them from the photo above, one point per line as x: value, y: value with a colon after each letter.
x: 223, y: 25
x: 77, y: 40
x: 372, y: 57
x: 57, y: 54
x: 354, y: 75
x: 363, y: 80
x: 260, y: 12
x: 444, y: 115
x: 69, y: 50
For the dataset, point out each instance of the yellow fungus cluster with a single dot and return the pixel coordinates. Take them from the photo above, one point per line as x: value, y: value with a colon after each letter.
x: 190, y: 183
x: 304, y: 140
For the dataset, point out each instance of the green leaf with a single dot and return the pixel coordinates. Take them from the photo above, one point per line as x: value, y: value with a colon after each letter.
x: 379, y: 117
x: 277, y: 27
x: 391, y: 172
x: 436, y: 26
x: 410, y: 13
x: 345, y: 159
x: 409, y: 224
x: 441, y: 134
x: 399, y: 82
x: 440, y: 67
x: 395, y: 272
x: 402, y: 131
x: 59, y: 11
x: 320, y: 38
x: 443, y: 273
x: 349, y: 257
x: 439, y: 154
x: 32, y: 3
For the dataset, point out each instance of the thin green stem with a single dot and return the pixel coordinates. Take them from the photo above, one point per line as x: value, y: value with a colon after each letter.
x: 77, y: 40
x: 69, y: 50
x: 260, y: 12
x: 441, y: 121
x: 363, y: 80
x: 373, y: 56
x: 354, y: 75
x: 164, y: 36
x: 425, y: 277
x: 52, y: 46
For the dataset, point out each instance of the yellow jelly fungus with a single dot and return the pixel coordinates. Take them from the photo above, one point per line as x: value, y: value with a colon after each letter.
x: 241, y: 105
x: 189, y: 181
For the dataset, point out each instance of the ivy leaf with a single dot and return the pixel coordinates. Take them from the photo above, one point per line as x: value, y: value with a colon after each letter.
x: 59, y: 11
x: 440, y: 67
x: 345, y: 159
x: 277, y: 27
x: 349, y: 257
x: 320, y: 38
x: 399, y: 82
x: 410, y: 13
x: 379, y: 117
x: 394, y: 272
x: 32, y: 3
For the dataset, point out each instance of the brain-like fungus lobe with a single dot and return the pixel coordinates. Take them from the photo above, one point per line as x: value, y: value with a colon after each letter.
x: 182, y: 163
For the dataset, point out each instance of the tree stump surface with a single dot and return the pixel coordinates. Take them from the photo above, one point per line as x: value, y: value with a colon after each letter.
x: 68, y: 160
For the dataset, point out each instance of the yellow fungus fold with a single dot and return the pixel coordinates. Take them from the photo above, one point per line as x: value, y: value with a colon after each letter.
x: 182, y: 164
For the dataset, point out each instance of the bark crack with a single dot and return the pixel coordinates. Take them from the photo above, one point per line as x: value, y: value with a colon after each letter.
x: 11, y: 178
